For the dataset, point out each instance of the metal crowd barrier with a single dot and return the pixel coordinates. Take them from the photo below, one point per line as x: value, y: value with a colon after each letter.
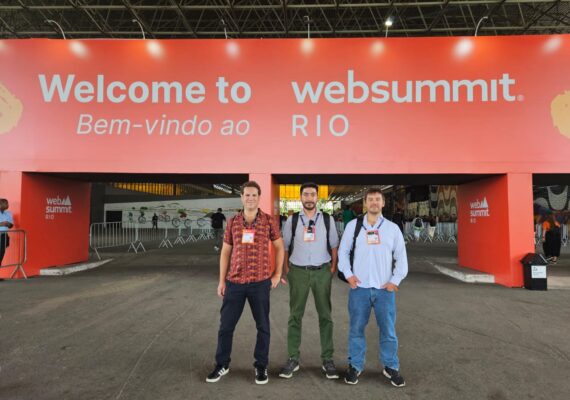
x: 443, y: 232
x: 16, y: 252
x: 105, y: 235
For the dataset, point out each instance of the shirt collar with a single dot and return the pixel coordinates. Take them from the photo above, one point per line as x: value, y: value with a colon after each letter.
x: 302, y: 212
x: 367, y: 225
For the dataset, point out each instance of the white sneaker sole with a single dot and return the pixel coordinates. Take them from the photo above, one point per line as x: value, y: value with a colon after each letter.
x: 329, y: 376
x: 224, y: 372
x: 281, y: 375
x: 393, y: 384
x: 262, y: 382
x: 350, y: 383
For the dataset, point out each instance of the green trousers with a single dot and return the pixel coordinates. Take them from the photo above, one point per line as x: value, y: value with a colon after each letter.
x: 302, y: 281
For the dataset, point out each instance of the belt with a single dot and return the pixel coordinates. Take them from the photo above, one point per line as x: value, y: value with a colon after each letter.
x: 308, y: 267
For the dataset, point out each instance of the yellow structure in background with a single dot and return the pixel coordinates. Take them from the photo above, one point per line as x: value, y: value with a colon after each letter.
x: 292, y: 192
x: 164, y: 189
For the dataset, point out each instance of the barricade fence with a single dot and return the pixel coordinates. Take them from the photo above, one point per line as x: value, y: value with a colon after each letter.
x: 13, y: 246
x: 442, y: 232
x: 107, y: 235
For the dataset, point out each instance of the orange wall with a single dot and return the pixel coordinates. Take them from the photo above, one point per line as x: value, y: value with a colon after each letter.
x: 413, y: 137
x: 63, y: 239
x: 496, y: 243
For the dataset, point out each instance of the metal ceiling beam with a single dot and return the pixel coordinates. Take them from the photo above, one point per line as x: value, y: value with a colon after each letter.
x: 303, y: 33
x: 142, y: 7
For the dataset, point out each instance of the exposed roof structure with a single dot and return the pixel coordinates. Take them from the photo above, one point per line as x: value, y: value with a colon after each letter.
x: 164, y: 19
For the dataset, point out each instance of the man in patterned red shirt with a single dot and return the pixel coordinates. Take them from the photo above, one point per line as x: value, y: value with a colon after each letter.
x: 247, y: 276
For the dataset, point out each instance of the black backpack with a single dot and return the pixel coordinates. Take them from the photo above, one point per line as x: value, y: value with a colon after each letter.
x: 357, y: 228
x: 295, y: 221
x: 419, y: 223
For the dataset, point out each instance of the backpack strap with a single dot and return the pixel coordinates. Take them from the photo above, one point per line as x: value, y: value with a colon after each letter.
x: 359, y: 223
x: 294, y: 222
x: 327, y: 221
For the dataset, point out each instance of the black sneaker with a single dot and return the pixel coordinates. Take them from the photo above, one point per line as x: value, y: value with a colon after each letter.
x: 217, y: 373
x: 395, y: 378
x: 329, y: 369
x: 291, y: 366
x: 352, y: 375
x: 261, y: 377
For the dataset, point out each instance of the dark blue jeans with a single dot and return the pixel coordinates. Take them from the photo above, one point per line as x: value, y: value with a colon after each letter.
x: 257, y: 295
x: 4, y: 243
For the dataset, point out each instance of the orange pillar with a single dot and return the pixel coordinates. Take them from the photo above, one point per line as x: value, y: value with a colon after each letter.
x: 11, y: 189
x: 54, y: 212
x: 269, y: 201
x: 495, y: 226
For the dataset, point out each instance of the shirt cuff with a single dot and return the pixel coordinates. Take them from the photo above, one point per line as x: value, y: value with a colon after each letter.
x: 396, y: 281
x: 348, y: 274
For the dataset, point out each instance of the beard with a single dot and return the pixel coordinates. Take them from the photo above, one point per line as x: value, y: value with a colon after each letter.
x: 309, y: 206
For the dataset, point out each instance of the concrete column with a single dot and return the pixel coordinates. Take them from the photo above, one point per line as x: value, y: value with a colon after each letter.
x: 54, y: 212
x: 11, y: 189
x: 269, y: 201
x: 495, y: 226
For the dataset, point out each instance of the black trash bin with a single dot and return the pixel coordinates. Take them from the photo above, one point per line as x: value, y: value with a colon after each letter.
x: 534, y: 266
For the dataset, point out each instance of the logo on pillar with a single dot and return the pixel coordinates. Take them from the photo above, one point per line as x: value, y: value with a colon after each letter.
x: 479, y: 209
x: 58, y: 205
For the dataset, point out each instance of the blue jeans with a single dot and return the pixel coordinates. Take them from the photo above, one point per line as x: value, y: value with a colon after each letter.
x: 257, y: 295
x: 361, y: 301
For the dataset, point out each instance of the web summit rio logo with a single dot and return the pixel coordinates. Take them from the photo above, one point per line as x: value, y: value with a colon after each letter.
x: 479, y: 209
x: 57, y: 205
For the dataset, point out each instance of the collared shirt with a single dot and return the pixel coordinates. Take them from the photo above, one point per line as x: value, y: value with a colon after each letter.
x: 373, y: 262
x: 6, y: 216
x: 310, y: 253
x: 250, y: 262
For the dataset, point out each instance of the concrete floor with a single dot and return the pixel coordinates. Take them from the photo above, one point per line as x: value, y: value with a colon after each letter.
x: 144, y: 327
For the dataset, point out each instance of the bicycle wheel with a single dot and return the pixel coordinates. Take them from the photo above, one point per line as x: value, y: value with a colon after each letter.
x: 142, y: 220
x: 176, y: 222
x: 201, y: 222
x: 187, y: 223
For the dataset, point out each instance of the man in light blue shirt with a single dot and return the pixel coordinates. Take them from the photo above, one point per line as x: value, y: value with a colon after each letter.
x: 6, y: 223
x: 374, y: 282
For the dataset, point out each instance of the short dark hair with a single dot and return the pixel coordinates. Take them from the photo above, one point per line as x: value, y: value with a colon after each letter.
x: 252, y: 184
x: 309, y: 185
x: 219, y: 210
x: 3, y: 200
x: 371, y: 190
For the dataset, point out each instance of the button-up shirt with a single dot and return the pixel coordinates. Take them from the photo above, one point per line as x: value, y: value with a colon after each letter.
x: 310, y: 253
x: 250, y: 262
x: 6, y: 216
x: 373, y: 262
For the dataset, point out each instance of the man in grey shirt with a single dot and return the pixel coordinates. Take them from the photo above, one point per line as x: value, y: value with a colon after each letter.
x: 311, y: 242
x: 373, y: 285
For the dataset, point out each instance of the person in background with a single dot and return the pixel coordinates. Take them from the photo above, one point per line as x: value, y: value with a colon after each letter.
x: 348, y: 214
x: 551, y: 239
x: 218, y: 225
x: 6, y: 223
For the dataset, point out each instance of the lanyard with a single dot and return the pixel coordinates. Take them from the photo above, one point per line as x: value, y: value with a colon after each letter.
x: 316, y: 219
x: 378, y: 227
